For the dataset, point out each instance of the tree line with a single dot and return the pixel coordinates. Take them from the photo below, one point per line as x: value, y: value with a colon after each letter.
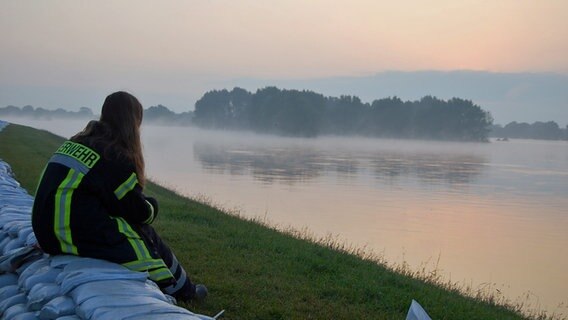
x: 306, y: 113
x: 155, y: 114
x: 537, y: 130
x: 45, y: 114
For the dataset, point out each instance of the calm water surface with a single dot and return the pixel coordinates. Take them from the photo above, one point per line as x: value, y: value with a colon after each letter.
x: 492, y: 213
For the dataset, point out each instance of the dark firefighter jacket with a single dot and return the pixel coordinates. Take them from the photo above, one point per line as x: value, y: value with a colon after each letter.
x: 90, y: 205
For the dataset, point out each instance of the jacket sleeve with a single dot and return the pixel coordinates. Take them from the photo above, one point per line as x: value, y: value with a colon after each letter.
x: 132, y: 204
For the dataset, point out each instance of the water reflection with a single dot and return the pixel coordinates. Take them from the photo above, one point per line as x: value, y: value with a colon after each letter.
x: 429, y: 168
x: 302, y: 163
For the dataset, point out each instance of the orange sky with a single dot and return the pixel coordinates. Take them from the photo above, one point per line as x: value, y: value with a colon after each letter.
x: 293, y: 38
x: 168, y: 46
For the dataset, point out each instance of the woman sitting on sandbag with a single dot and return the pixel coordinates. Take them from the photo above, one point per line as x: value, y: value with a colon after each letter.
x: 90, y: 203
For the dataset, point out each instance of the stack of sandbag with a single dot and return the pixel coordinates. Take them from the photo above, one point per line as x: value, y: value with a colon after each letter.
x: 34, y: 285
x: 70, y: 287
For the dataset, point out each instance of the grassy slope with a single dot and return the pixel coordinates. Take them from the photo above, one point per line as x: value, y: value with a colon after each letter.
x: 257, y: 273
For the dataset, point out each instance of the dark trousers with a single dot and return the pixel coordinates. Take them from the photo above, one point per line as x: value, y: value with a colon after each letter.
x: 182, y: 288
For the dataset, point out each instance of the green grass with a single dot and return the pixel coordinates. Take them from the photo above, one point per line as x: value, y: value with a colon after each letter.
x: 255, y: 272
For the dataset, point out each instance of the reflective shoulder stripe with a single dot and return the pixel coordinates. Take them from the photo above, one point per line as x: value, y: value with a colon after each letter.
x: 127, y: 186
x: 62, y: 218
x: 69, y: 162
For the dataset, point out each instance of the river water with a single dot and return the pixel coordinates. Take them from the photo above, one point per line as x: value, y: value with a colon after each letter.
x: 485, y: 214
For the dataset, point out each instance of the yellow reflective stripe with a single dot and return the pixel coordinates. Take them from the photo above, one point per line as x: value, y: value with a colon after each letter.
x: 135, y: 240
x: 62, y: 218
x: 127, y: 186
x: 156, y: 268
x: 161, y: 274
x: 144, y: 265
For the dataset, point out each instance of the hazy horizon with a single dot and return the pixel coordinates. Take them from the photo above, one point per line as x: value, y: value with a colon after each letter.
x: 521, y: 97
x: 72, y: 54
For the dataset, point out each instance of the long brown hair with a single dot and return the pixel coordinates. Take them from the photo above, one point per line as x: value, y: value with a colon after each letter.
x: 118, y: 130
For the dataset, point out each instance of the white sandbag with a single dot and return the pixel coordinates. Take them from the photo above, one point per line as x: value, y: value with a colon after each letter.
x: 12, y: 260
x: 72, y: 317
x: 416, y: 312
x: 91, y: 263
x: 14, y: 310
x: 15, y: 243
x: 11, y: 211
x: 31, y: 240
x: 25, y: 232
x: 62, y: 260
x: 115, y: 287
x: 8, y: 279
x: 14, y: 227
x: 58, y: 307
x: 43, y: 275
x: 4, y: 242
x: 42, y: 293
x: 27, y: 316
x: 156, y: 309
x: 71, y: 280
x: 9, y: 291
x: 123, y: 301
x: 31, y: 269
x: 3, y: 235
x: 169, y: 316
x: 10, y: 301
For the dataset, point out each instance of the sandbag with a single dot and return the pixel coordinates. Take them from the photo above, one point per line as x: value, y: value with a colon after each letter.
x: 8, y: 279
x: 9, y: 291
x: 10, y: 301
x: 26, y: 316
x: 58, y: 307
x: 43, y: 275
x: 31, y: 269
x: 72, y: 317
x: 14, y: 310
x: 115, y: 287
x: 155, y: 309
x: 123, y: 301
x: 42, y: 293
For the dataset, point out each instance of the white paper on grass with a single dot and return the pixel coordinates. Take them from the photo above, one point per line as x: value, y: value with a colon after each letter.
x: 416, y: 312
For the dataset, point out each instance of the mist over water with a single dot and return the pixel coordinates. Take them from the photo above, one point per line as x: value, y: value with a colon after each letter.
x: 493, y: 212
